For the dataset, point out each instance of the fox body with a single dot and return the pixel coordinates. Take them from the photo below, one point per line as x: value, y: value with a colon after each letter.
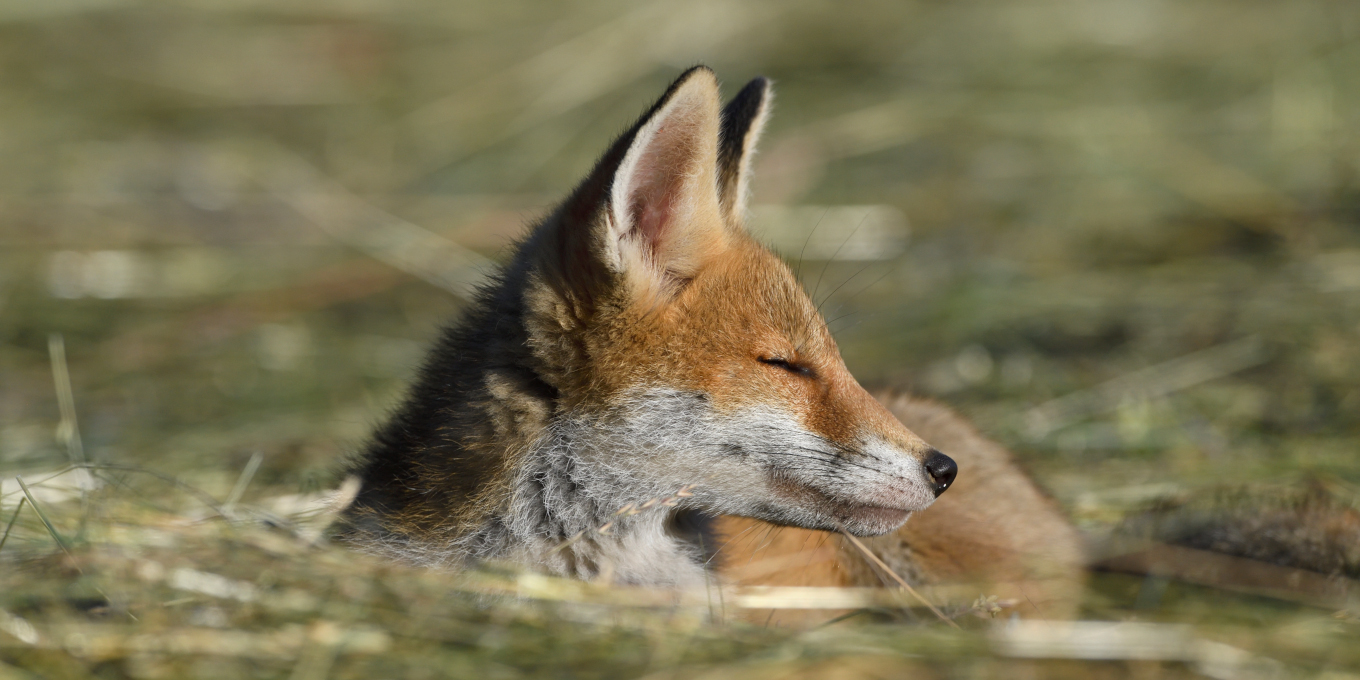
x: 641, y: 344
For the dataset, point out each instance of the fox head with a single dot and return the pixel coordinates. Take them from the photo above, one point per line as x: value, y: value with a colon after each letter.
x: 683, y: 352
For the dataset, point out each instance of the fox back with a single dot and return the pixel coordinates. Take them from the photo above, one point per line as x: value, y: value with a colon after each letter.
x: 640, y: 353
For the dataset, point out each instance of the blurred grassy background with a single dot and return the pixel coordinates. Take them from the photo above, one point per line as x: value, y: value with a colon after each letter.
x: 1123, y: 236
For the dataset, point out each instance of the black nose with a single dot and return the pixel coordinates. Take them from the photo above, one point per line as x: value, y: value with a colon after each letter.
x: 942, y: 470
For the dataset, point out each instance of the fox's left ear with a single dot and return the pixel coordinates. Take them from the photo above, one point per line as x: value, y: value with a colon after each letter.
x: 743, y: 119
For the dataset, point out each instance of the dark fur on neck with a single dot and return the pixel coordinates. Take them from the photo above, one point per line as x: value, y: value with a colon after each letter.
x: 483, y: 460
x: 481, y: 431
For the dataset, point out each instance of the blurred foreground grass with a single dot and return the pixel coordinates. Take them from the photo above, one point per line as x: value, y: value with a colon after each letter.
x: 1123, y: 237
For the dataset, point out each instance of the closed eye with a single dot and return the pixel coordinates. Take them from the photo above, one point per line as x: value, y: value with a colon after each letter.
x: 790, y: 366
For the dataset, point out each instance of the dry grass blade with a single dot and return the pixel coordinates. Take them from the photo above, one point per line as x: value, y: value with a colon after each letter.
x: 1109, y: 640
x: 51, y: 476
x: 13, y: 518
x: 568, y: 543
x: 1149, y: 383
x: 900, y: 581
x: 385, y: 237
x: 61, y: 376
x: 242, y: 482
x: 314, y: 530
x: 192, y: 490
x: 629, y: 510
x: 42, y: 516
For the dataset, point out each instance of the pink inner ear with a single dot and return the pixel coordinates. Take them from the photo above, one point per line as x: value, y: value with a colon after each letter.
x: 666, y: 181
x: 652, y: 214
x: 657, y: 180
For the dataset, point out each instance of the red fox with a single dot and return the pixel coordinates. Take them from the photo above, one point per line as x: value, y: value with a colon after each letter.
x: 642, y: 346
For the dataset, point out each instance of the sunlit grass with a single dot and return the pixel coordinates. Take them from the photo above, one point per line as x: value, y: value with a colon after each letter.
x: 1120, y: 237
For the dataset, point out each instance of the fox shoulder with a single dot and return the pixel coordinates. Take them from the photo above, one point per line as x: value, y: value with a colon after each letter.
x: 995, y: 514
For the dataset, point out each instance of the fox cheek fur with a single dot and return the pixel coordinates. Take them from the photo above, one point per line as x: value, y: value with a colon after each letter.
x: 639, y: 342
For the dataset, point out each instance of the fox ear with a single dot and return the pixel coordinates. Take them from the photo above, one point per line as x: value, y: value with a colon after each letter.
x: 742, y: 122
x: 664, y: 217
x: 648, y: 215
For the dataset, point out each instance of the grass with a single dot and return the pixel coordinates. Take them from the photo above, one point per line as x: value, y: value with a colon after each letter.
x: 228, y: 230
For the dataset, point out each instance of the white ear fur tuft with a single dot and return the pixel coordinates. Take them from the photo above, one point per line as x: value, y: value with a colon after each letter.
x: 665, y: 219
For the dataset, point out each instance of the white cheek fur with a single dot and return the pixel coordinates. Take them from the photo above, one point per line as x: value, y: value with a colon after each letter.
x: 650, y: 445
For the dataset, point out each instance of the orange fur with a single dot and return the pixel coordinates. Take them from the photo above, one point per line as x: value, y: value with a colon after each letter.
x: 641, y: 341
x: 994, y: 533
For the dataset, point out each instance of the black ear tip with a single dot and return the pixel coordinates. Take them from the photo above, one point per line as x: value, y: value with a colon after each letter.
x: 695, y: 70
x: 759, y: 85
x: 690, y: 74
